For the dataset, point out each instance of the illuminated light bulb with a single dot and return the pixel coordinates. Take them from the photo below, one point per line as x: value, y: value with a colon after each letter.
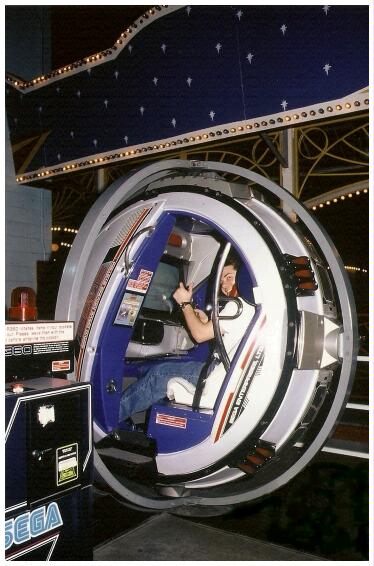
x: 256, y: 125
x: 168, y: 144
x: 287, y: 118
x: 314, y: 208
x: 233, y: 130
x: 312, y: 112
x: 357, y: 192
x: 205, y: 136
x: 249, y: 127
x: 365, y: 190
x: 347, y: 105
x: 335, y: 200
x: 198, y: 137
x: 321, y: 205
x: 338, y: 107
x: 132, y: 152
x: 127, y: 153
x: 342, y: 197
x: 329, y: 109
x: 350, y: 195
x: 328, y: 202
x: 240, y: 128
x: 263, y: 123
x: 296, y: 116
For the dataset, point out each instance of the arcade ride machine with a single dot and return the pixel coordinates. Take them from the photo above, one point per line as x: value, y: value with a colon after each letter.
x: 267, y: 408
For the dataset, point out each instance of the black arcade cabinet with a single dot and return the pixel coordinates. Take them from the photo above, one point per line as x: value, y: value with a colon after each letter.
x: 48, y: 447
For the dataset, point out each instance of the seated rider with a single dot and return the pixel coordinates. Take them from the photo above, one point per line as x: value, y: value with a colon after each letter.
x: 152, y: 386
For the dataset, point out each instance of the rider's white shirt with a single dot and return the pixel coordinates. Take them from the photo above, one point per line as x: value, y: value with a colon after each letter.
x: 233, y: 330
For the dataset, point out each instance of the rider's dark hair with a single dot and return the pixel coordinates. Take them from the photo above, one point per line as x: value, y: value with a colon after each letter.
x: 233, y: 259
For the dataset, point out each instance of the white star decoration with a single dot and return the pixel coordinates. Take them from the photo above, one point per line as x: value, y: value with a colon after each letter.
x: 250, y: 57
x: 283, y: 28
x: 95, y: 143
x: 188, y: 10
x: 116, y: 73
x: 163, y: 47
x: 130, y: 48
x: 72, y: 134
x: 174, y: 122
x: 218, y: 47
x: 189, y: 81
x: 239, y: 14
x: 284, y: 104
x: 212, y: 114
x: 106, y: 103
x: 142, y: 110
x: 327, y: 68
x: 155, y: 81
x: 126, y: 140
x: 326, y: 9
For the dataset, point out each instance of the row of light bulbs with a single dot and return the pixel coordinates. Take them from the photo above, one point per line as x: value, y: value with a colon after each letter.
x: 59, y: 229
x: 91, y: 59
x: 353, y: 268
x: 337, y: 199
x: 238, y: 130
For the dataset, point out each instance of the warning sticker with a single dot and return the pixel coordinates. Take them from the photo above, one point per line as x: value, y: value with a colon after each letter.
x: 140, y: 284
x: 170, y: 420
x: 128, y: 310
x: 67, y: 464
x: 61, y: 365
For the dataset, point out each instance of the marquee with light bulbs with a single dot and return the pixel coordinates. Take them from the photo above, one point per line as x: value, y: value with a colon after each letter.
x: 180, y: 77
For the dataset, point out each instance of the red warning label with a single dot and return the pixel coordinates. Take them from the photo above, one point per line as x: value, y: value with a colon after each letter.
x: 170, y: 420
x: 61, y: 365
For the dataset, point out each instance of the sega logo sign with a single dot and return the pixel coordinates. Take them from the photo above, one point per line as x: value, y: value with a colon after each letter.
x: 32, y: 524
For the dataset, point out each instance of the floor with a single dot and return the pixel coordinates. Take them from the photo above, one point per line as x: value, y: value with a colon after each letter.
x: 322, y: 513
x: 166, y: 537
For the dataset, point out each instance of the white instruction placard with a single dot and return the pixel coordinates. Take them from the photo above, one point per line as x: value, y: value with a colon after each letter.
x: 38, y: 332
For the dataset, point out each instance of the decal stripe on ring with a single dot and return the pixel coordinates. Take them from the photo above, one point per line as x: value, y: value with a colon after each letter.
x: 218, y: 434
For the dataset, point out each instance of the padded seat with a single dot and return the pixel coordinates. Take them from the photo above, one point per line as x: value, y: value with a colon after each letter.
x: 182, y: 391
